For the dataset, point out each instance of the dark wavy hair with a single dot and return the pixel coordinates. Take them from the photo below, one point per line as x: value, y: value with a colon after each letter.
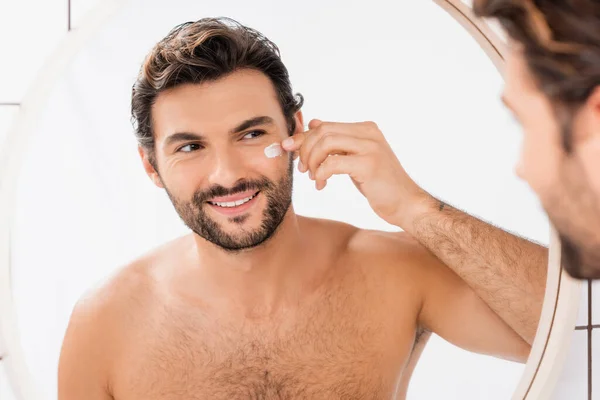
x: 561, y: 43
x: 204, y: 51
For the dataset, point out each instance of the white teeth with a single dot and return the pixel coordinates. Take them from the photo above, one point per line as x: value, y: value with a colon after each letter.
x: 233, y: 203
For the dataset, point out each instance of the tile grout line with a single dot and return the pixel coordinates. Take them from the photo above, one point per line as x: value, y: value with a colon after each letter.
x: 589, y: 339
x: 585, y: 327
x: 69, y: 15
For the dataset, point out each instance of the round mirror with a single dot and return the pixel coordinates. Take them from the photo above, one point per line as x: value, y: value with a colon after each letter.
x: 86, y: 208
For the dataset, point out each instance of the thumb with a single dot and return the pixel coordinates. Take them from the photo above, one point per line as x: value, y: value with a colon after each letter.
x: 293, y: 142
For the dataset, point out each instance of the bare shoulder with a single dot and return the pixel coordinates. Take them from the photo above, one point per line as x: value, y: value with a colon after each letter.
x: 390, y: 265
x: 374, y: 249
x: 128, y: 293
x: 104, y: 306
x: 397, y: 252
x: 101, y: 316
x: 115, y: 295
x: 400, y: 257
x: 385, y: 243
x: 122, y: 289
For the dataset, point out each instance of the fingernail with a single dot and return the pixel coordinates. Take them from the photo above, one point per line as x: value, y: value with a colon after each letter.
x: 310, y: 174
x: 288, y: 142
x: 300, y: 166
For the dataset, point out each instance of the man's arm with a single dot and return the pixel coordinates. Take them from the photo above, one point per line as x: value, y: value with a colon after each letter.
x: 445, y: 304
x: 82, y: 372
x: 452, y: 309
x: 507, y: 272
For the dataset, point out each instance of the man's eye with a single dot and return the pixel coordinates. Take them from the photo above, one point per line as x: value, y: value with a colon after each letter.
x: 188, y: 148
x: 253, y: 134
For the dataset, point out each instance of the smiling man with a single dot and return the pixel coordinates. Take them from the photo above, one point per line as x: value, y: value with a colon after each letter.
x: 259, y: 302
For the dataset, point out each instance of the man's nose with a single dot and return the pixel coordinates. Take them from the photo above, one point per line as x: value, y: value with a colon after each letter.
x: 227, y: 169
x: 520, y: 164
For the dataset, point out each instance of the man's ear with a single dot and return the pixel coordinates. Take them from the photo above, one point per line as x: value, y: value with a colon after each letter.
x: 299, y: 128
x: 299, y: 122
x: 150, y: 170
x: 588, y: 146
x: 593, y: 105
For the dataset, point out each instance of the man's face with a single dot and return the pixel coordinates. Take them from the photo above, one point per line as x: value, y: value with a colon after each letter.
x: 568, y: 184
x: 210, y: 141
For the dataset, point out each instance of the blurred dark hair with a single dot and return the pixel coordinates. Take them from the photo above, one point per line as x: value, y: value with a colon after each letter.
x: 561, y: 44
x: 204, y: 51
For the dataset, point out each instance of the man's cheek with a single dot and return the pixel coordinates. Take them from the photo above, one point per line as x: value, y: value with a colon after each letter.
x: 267, y: 160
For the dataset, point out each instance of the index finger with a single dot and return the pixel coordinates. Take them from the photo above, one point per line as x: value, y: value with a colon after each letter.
x: 294, y: 142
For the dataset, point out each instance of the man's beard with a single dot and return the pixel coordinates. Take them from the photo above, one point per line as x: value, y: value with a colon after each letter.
x: 574, y: 210
x: 279, y: 199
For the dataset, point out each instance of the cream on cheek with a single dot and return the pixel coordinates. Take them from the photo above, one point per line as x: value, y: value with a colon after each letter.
x: 267, y: 159
x: 274, y: 150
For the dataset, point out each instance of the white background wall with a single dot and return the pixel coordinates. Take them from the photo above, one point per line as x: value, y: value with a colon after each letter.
x: 30, y: 29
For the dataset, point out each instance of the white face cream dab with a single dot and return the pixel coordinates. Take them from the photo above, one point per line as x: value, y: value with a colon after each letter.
x: 273, y: 150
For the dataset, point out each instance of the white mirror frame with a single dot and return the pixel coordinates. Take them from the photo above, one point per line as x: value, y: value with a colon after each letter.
x: 561, y: 302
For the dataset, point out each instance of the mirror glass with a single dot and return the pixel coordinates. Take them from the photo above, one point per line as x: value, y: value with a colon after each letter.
x: 86, y: 206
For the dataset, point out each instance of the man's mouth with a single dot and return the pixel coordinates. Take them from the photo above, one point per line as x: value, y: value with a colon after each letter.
x: 234, y: 203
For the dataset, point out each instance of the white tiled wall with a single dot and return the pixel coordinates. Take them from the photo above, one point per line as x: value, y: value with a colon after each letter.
x: 5, y: 391
x: 573, y: 379
x: 23, y: 58
x: 7, y: 114
x: 26, y: 19
x: 596, y: 303
x: 596, y: 363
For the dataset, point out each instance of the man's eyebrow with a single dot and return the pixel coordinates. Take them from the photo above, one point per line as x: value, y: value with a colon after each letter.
x: 249, y: 123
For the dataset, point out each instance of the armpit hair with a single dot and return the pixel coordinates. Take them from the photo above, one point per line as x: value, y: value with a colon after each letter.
x: 418, y: 334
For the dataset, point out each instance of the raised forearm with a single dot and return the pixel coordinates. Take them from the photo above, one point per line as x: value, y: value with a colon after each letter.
x: 506, y: 271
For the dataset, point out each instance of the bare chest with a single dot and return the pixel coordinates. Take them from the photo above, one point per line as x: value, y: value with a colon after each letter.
x: 328, y: 352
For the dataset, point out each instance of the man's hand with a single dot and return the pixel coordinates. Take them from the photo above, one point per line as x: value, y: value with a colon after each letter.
x: 360, y: 151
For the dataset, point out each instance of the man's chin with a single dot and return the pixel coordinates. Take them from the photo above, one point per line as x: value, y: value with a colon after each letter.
x: 241, y: 242
x: 238, y: 224
x: 238, y: 233
x: 579, y: 262
x: 582, y: 271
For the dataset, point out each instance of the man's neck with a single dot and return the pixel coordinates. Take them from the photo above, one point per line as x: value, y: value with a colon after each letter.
x: 262, y: 279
